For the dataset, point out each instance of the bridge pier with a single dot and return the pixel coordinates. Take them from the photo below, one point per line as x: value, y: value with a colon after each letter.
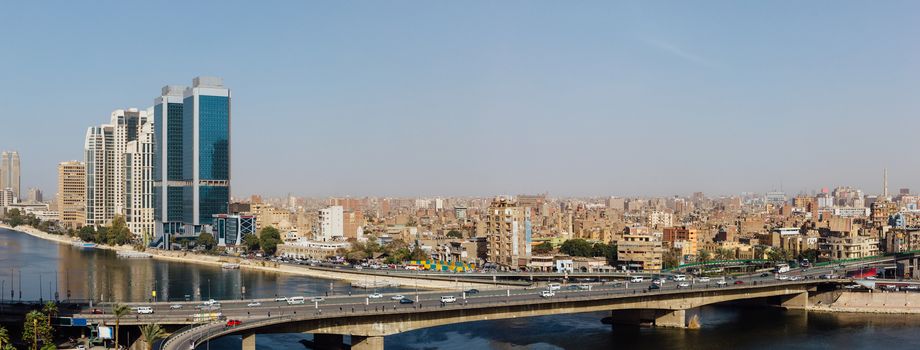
x: 796, y: 301
x: 366, y: 343
x: 680, y: 318
x: 249, y: 341
x: 328, y: 342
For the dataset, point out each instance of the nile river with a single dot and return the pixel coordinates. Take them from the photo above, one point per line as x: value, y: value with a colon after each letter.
x: 47, y: 267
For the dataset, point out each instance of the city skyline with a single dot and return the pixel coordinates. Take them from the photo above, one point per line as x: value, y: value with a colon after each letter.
x: 611, y: 99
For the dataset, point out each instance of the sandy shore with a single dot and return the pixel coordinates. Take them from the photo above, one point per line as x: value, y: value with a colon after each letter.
x: 261, y: 265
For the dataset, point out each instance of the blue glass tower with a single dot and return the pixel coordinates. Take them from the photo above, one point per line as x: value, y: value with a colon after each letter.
x: 192, y: 157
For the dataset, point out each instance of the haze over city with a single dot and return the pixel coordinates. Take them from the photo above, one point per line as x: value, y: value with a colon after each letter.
x: 485, y: 98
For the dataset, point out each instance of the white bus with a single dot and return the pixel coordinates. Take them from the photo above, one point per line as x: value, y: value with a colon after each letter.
x: 781, y: 268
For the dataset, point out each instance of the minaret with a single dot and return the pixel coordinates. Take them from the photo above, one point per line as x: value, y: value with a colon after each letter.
x: 885, y: 185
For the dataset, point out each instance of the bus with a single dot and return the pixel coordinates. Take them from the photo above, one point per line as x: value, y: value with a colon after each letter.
x: 781, y: 268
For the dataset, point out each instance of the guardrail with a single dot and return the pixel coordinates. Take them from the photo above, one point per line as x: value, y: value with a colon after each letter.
x: 216, y: 329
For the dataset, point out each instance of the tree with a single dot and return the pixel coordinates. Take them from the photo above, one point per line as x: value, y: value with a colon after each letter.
x: 119, y: 311
x: 14, y: 218
x: 206, y: 240
x: 151, y: 333
x: 251, y: 242
x: 454, y: 234
x: 576, y: 247
x: 269, y: 238
x: 724, y: 254
x: 4, y: 337
x: 101, y: 235
x: 670, y: 259
x: 87, y: 234
x: 36, y: 329
x: 118, y: 233
x: 704, y: 256
x: 543, y: 248
x: 50, y: 309
x: 779, y: 255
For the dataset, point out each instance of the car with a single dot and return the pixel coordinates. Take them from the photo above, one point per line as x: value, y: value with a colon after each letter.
x: 233, y: 323
x: 175, y: 306
x: 144, y: 310
x: 397, y: 297
x: 584, y: 287
x: 554, y: 286
x: 680, y: 278
x: 572, y: 287
x: 739, y: 282
x: 210, y: 302
x: 653, y: 286
x: 683, y: 285
x: 81, y: 347
x: 912, y: 287
x: 254, y: 304
x: 636, y: 279
x: 796, y: 278
x: 375, y: 296
x: 765, y: 274
x: 657, y: 281
x: 406, y: 301
x: 782, y: 277
x: 721, y: 282
x: 318, y: 299
x: 472, y: 291
x: 704, y: 279
x: 547, y: 293
x: 97, y: 312
x: 281, y: 299
x: 448, y: 299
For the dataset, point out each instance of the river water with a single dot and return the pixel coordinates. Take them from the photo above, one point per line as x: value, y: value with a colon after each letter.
x: 46, y: 267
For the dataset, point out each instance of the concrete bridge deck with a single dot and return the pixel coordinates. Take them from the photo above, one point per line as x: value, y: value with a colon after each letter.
x: 369, y: 323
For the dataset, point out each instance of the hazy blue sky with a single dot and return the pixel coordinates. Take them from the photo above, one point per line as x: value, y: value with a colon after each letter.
x: 493, y: 97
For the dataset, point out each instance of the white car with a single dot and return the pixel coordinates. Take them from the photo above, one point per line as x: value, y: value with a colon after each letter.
x: 636, y: 279
x: 683, y: 285
x: 397, y: 297
x: 375, y: 296
x: 721, y: 282
x: 547, y: 293
x: 704, y: 279
x: 782, y: 277
x: 175, y: 306
x: 254, y: 304
x: 145, y: 310
x: 680, y: 278
x: 279, y: 299
x: 318, y: 299
x: 448, y: 299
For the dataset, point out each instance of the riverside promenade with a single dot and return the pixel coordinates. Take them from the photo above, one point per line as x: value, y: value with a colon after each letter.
x: 405, y: 280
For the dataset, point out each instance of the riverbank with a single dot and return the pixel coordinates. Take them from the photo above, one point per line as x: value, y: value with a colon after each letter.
x: 873, y: 303
x: 266, y: 266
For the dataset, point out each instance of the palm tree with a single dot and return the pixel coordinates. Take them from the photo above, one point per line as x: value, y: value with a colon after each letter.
x: 50, y: 309
x: 151, y: 333
x: 119, y: 311
x: 4, y: 337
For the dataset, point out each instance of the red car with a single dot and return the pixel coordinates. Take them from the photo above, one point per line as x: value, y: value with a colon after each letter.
x: 97, y: 312
x: 232, y: 323
x: 739, y: 282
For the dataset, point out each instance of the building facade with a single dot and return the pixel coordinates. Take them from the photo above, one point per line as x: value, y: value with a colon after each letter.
x: 10, y: 175
x: 331, y: 224
x: 639, y: 252
x: 138, y: 171
x: 509, y: 233
x: 99, y: 158
x: 71, y: 194
x: 191, y: 156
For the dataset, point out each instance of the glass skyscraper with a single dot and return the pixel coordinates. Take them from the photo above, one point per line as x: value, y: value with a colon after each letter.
x: 191, y: 157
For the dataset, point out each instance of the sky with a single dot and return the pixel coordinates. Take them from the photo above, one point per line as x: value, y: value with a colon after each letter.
x: 428, y: 98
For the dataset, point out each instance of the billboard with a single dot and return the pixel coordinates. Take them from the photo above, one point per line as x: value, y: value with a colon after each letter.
x: 105, y: 332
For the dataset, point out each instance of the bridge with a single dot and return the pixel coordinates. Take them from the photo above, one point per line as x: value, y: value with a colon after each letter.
x: 369, y: 320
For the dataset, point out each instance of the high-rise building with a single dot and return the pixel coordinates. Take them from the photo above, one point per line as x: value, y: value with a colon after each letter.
x: 35, y: 195
x: 191, y: 156
x: 99, y: 158
x: 9, y: 173
x: 126, y: 128
x: 331, y: 224
x: 509, y: 231
x: 71, y: 194
x: 138, y: 197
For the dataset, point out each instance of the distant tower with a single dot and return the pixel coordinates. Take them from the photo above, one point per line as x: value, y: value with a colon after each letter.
x: 885, y: 184
x: 15, y: 178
